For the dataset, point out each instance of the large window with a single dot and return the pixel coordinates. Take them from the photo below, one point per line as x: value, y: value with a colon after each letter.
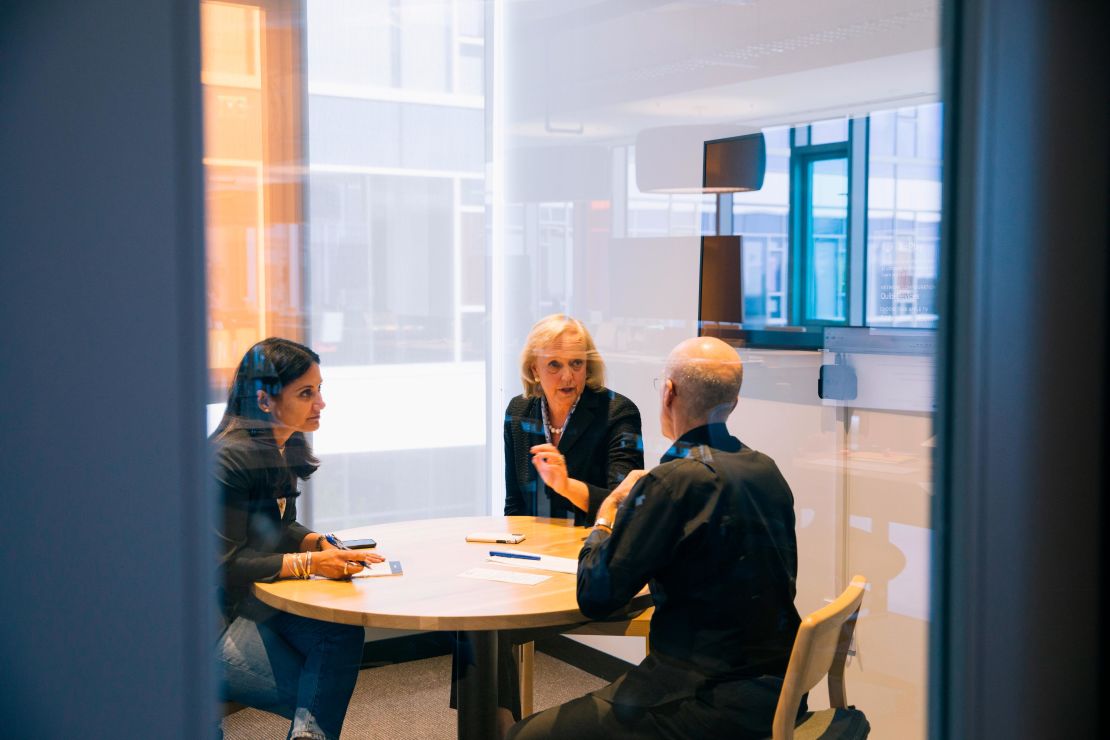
x: 396, y: 255
x: 903, y: 216
x: 345, y: 151
x: 828, y: 233
x: 253, y: 132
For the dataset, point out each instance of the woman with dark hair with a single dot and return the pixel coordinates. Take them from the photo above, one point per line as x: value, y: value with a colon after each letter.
x: 300, y: 668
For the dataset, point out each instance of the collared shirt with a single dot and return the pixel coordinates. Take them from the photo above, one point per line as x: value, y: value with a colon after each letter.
x: 711, y: 530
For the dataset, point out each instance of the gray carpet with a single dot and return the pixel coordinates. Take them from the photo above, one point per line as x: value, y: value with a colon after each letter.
x: 408, y: 701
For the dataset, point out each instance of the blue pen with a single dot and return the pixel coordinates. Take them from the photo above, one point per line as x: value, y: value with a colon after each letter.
x: 336, y: 541
x: 522, y: 556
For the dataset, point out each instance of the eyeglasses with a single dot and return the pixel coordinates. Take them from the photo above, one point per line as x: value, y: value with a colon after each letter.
x: 658, y: 383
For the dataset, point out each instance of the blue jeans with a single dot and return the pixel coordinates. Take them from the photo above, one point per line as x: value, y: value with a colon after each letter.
x: 300, y: 668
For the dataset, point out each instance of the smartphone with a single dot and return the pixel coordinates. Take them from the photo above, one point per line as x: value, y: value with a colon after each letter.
x: 363, y: 544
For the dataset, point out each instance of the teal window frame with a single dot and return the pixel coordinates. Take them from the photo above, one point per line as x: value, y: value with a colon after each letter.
x: 801, y: 233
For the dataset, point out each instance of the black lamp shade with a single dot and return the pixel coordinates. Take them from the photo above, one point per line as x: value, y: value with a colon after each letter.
x: 735, y: 164
x: 720, y: 299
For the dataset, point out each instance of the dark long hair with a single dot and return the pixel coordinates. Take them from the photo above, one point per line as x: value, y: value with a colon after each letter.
x: 268, y: 366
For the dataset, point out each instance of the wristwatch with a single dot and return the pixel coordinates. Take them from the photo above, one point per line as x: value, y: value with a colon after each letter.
x: 605, y: 523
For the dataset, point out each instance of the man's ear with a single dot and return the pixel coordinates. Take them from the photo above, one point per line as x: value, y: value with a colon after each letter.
x: 263, y: 401
x: 669, y: 392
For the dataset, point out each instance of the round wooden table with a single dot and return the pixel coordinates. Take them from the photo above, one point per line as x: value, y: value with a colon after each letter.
x: 431, y: 595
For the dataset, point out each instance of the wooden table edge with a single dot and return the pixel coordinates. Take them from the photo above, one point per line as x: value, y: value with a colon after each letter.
x: 425, y: 623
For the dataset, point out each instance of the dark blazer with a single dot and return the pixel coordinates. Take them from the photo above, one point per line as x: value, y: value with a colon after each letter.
x: 251, y: 475
x: 602, y: 443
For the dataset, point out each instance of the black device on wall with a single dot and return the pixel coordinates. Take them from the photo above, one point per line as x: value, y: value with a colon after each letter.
x: 838, y: 381
x: 720, y: 298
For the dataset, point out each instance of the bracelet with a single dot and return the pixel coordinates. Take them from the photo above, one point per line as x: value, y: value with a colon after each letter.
x: 604, y: 524
x: 293, y: 561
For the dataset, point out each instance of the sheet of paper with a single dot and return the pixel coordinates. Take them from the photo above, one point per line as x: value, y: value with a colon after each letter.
x: 546, y: 562
x: 489, y: 574
x: 384, y: 568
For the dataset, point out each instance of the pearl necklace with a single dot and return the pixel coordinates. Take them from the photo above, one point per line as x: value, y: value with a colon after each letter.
x: 549, y: 430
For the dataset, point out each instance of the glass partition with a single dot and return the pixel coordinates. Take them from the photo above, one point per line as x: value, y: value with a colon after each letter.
x: 590, y: 91
x: 408, y: 185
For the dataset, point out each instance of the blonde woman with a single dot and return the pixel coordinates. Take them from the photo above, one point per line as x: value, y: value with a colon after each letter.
x: 569, y: 440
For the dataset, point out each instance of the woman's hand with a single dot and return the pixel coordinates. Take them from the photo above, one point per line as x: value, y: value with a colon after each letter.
x: 552, y: 467
x: 336, y: 563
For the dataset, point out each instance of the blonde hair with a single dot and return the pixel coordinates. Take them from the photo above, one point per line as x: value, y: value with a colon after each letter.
x: 544, y: 332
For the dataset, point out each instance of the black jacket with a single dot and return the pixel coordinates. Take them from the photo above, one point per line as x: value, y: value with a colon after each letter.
x: 602, y: 443
x: 711, y: 529
x: 251, y: 475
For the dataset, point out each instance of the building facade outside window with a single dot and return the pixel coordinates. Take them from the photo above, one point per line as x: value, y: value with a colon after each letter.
x: 802, y: 212
x: 346, y: 200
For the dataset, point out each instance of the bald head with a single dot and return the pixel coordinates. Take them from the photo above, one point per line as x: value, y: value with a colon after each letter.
x: 705, y: 374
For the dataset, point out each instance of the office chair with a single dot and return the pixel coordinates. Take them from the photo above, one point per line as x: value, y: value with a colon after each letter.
x: 821, y: 648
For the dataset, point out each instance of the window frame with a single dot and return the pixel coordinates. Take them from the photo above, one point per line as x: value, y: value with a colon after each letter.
x: 801, y: 230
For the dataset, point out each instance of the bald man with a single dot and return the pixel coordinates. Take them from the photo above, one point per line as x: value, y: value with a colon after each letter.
x: 711, y: 529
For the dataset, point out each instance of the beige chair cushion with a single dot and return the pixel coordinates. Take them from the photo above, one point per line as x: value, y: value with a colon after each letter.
x: 841, y: 724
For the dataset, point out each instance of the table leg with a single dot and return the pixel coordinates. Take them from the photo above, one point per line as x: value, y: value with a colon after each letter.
x: 525, y: 654
x: 477, y: 684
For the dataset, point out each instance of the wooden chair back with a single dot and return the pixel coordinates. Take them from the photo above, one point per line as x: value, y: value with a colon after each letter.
x: 821, y: 648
